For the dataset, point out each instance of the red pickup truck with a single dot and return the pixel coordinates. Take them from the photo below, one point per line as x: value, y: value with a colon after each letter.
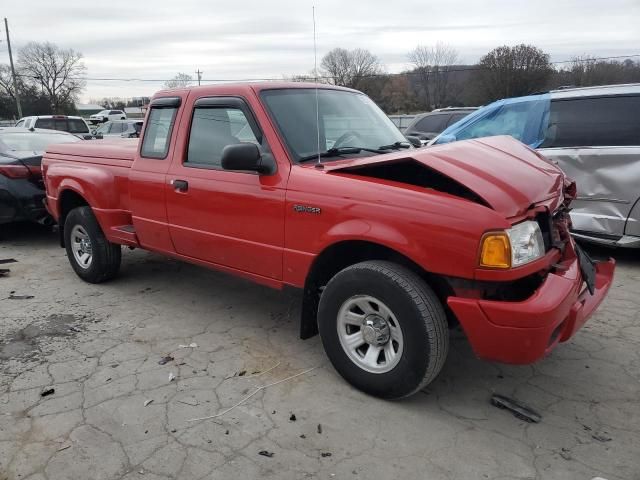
x: 313, y: 187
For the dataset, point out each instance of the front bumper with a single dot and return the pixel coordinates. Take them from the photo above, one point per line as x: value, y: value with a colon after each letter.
x: 524, y: 332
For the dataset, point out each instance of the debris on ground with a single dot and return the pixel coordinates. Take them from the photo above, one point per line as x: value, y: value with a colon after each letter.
x: 73, y: 328
x: 191, y: 345
x: 165, y: 359
x: 148, y: 402
x: 258, y: 389
x: 4, y: 272
x: 4, y: 261
x: 325, y: 454
x: 13, y: 296
x: 265, y: 453
x: 47, y: 391
x: 227, y: 432
x: 303, y: 436
x: 292, y: 418
x: 64, y: 446
x: 566, y: 454
x: 319, y: 428
x: 601, y: 438
x: 189, y: 401
x: 518, y: 409
x: 172, y: 377
x: 242, y: 373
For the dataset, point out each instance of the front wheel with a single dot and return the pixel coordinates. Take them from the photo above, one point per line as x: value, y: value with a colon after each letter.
x: 383, y: 329
x: 91, y: 255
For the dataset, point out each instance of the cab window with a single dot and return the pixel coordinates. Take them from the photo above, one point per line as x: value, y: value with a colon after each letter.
x: 212, y: 129
x: 155, y: 143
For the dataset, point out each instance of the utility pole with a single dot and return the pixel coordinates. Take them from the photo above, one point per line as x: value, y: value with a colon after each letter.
x: 199, y: 73
x: 13, y: 70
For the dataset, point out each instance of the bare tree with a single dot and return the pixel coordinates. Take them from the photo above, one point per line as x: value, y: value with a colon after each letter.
x: 6, y: 82
x: 514, y: 71
x: 181, y: 80
x: 58, y: 72
x: 586, y: 71
x: 350, y: 68
x: 433, y: 64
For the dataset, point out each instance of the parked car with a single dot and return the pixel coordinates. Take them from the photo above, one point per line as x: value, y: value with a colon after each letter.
x: 427, y: 126
x: 591, y: 133
x: 120, y: 128
x: 21, y: 186
x: 324, y: 194
x: 64, y: 123
x: 106, y: 115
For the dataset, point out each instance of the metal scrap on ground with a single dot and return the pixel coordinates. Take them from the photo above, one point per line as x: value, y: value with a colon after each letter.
x: 518, y: 409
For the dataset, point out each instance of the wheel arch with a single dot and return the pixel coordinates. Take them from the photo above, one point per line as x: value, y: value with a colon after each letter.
x: 67, y: 201
x: 344, y: 253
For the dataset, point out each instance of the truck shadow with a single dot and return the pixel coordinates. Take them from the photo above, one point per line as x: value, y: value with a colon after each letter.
x: 27, y: 233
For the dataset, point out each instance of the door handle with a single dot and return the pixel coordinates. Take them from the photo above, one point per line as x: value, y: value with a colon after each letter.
x: 180, y: 185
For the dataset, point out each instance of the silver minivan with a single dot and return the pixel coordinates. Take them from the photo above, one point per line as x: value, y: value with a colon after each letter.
x: 593, y: 134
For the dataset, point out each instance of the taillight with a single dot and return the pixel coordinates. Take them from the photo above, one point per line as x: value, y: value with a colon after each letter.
x: 14, y: 171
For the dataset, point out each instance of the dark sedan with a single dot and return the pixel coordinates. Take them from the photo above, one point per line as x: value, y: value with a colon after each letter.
x: 21, y: 186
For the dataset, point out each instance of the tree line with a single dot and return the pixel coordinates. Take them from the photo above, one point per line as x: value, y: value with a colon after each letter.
x: 50, y: 79
x: 436, y: 78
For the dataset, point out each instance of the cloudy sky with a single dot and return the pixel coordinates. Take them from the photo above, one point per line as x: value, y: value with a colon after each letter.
x: 154, y: 40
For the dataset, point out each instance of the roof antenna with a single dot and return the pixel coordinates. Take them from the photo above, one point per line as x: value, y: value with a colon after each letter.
x: 315, y: 72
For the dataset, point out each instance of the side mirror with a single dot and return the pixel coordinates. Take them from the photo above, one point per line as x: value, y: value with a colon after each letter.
x: 415, y: 141
x: 243, y: 156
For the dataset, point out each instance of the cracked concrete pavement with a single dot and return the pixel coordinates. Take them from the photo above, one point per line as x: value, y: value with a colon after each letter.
x: 99, y: 346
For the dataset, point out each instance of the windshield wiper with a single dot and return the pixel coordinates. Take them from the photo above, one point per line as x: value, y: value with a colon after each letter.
x: 338, y: 151
x: 395, y: 146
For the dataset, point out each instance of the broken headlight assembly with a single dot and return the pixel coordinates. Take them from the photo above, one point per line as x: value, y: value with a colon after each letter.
x: 514, y: 247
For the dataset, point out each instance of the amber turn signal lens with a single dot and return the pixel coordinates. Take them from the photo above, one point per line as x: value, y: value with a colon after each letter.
x: 495, y: 251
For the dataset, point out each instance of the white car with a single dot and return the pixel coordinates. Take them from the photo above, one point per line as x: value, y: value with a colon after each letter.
x: 106, y: 115
x: 65, y: 123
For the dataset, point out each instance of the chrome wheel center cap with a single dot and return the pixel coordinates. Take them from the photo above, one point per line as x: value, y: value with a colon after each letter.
x: 375, y: 330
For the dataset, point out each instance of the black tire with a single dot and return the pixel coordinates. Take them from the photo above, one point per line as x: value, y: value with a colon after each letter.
x: 122, y: 118
x: 106, y: 256
x: 418, y: 311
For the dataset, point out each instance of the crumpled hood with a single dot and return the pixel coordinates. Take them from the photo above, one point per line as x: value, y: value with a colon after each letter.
x: 505, y: 173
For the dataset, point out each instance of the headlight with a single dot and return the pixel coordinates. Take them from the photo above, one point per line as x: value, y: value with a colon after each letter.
x: 513, y: 247
x: 526, y: 243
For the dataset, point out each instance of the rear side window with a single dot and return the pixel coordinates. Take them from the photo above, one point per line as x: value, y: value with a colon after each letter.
x: 432, y: 123
x: 47, y: 123
x: 158, y: 133
x: 212, y: 129
x: 20, y: 123
x: 77, y: 126
x: 594, y: 122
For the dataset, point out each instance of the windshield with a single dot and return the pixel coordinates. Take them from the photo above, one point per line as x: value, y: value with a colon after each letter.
x: 345, y: 119
x: 36, y: 142
x: 103, y: 112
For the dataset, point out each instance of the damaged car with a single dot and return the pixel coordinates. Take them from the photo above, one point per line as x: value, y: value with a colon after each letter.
x: 21, y: 185
x: 312, y: 187
x: 593, y: 135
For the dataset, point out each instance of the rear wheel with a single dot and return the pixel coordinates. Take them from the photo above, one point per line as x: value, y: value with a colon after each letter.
x: 383, y: 328
x: 91, y: 255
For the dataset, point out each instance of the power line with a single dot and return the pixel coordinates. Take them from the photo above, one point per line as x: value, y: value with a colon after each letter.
x: 330, y: 77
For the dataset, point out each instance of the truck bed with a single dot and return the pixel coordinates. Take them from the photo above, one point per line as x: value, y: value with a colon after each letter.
x: 110, y: 149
